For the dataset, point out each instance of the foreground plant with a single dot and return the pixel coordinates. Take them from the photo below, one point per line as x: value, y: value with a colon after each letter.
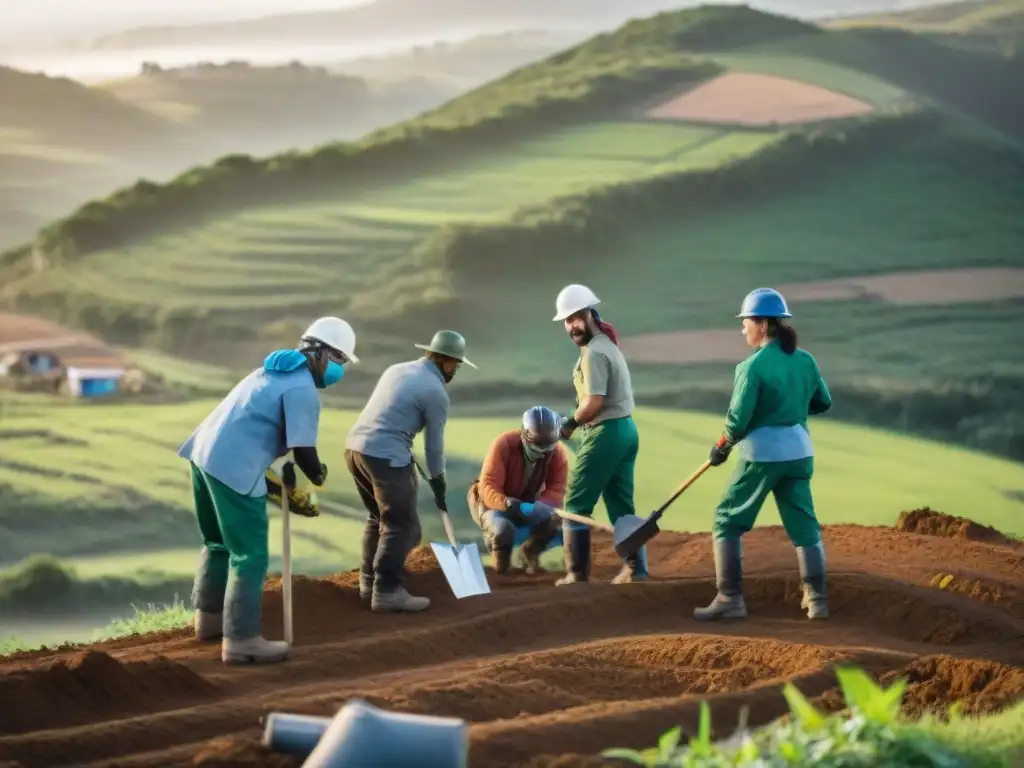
x: 869, y: 735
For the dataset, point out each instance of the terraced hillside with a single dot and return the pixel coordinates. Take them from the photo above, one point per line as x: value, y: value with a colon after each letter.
x: 640, y: 148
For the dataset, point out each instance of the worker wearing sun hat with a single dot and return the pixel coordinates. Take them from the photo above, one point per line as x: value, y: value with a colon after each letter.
x: 273, y: 410
x: 409, y: 397
x: 775, y: 391
x: 606, y: 459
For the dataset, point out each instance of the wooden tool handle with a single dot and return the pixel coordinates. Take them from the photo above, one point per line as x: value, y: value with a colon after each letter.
x: 585, y: 520
x: 686, y: 484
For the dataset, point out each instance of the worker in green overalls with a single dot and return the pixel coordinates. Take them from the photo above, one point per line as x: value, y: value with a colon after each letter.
x: 606, y: 458
x: 774, y: 391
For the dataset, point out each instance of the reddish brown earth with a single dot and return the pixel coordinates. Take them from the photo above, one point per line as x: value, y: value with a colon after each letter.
x: 544, y: 676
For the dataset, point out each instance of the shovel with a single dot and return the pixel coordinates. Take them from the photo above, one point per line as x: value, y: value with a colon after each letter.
x: 460, y: 563
x: 632, y: 532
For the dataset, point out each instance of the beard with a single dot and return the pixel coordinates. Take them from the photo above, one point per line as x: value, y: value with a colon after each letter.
x: 581, y: 337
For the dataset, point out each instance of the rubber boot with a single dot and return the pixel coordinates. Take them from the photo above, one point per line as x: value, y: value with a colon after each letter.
x: 531, y: 551
x: 728, y: 603
x: 397, y: 600
x: 365, y: 587
x: 577, y: 553
x: 254, y: 650
x: 634, y: 569
x: 813, y: 576
x: 502, y: 559
x: 209, y: 626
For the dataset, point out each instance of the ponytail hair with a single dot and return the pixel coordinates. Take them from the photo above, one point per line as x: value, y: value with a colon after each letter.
x: 785, y: 333
x: 606, y: 328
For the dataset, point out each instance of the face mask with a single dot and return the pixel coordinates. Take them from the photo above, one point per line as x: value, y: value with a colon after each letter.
x: 533, y: 453
x: 334, y: 373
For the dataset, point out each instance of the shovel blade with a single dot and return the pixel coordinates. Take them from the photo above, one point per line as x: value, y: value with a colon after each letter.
x: 632, y: 532
x: 462, y: 568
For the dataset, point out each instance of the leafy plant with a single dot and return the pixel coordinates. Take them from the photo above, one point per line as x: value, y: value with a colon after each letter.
x: 869, y: 734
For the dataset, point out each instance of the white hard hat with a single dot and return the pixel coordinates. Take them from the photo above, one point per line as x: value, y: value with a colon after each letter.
x: 572, y: 299
x: 334, y: 333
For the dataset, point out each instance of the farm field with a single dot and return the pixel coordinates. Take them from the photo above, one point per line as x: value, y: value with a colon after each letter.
x: 132, y: 450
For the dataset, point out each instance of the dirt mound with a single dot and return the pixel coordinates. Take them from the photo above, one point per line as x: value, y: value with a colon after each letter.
x: 543, y: 675
x: 980, y: 686
x: 929, y: 522
x: 90, y: 686
x: 741, y: 98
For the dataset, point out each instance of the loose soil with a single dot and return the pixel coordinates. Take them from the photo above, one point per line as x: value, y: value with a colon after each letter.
x: 741, y: 98
x: 544, y: 676
x: 936, y: 287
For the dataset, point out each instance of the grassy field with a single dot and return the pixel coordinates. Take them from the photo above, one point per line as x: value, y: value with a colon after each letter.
x: 131, y: 449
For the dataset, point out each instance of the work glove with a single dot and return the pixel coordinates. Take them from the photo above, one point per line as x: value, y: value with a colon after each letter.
x: 720, y: 451
x: 515, y: 510
x: 322, y: 477
x: 568, y: 427
x: 440, y: 488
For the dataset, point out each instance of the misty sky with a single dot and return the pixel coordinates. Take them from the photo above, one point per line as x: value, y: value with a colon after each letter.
x: 71, y: 17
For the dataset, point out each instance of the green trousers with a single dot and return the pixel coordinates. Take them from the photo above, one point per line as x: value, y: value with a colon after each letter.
x: 788, y: 481
x: 234, y: 560
x: 605, y: 464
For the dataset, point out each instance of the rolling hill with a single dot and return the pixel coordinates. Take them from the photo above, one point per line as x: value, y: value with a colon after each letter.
x: 62, y: 143
x: 711, y: 150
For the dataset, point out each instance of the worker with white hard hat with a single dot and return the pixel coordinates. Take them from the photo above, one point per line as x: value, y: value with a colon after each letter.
x: 273, y: 410
x: 776, y: 389
x: 606, y: 458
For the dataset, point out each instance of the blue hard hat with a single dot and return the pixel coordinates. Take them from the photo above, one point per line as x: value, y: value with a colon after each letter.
x: 764, y: 302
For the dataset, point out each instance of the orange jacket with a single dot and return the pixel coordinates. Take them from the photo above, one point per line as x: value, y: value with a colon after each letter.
x: 503, y: 474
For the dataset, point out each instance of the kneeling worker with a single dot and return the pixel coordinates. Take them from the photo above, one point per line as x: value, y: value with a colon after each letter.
x: 273, y: 410
x: 522, y: 482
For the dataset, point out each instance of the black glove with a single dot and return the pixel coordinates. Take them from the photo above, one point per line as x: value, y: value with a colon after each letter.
x: 720, y: 452
x: 569, y: 426
x: 440, y: 488
x: 323, y: 475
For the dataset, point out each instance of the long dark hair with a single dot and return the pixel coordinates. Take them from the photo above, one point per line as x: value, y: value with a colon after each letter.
x: 785, y: 333
x: 606, y: 328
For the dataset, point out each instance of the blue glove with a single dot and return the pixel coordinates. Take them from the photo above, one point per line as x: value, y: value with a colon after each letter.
x: 526, y: 509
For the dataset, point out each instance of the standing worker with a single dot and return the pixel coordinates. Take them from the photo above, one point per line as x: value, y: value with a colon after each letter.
x: 606, y: 458
x: 521, y: 483
x: 408, y: 398
x: 774, y: 392
x: 274, y: 409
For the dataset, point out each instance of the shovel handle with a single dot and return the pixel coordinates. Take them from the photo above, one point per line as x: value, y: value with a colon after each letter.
x: 444, y: 515
x: 287, y: 483
x: 679, y: 491
x: 585, y: 520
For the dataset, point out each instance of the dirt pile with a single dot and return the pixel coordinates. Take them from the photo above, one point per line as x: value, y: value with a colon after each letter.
x: 928, y: 522
x: 544, y: 676
x: 93, y: 685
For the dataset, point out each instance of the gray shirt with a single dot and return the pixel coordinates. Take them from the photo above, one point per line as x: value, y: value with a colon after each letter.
x: 408, y: 398
x: 602, y: 370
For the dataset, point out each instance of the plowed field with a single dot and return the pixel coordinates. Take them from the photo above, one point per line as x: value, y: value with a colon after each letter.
x: 546, y: 676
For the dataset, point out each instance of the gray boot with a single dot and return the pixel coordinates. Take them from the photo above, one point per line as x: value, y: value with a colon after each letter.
x: 812, y: 574
x: 209, y: 626
x: 502, y: 559
x: 254, y: 650
x: 365, y: 587
x: 728, y: 603
x: 576, y: 542
x: 634, y: 569
x: 397, y: 601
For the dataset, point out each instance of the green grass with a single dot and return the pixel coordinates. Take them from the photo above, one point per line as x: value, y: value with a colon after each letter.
x: 870, y: 732
x: 136, y: 444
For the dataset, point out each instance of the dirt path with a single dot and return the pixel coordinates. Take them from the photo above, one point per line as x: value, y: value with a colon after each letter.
x: 545, y: 676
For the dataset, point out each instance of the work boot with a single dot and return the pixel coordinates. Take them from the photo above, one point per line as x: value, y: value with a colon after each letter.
x: 365, y: 586
x: 634, y: 569
x: 209, y: 626
x: 577, y: 553
x: 397, y: 600
x: 812, y: 574
x: 728, y: 603
x: 502, y: 559
x: 531, y: 550
x: 254, y: 650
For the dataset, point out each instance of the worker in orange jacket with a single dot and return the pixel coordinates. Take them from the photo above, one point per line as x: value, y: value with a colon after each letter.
x: 522, y: 482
